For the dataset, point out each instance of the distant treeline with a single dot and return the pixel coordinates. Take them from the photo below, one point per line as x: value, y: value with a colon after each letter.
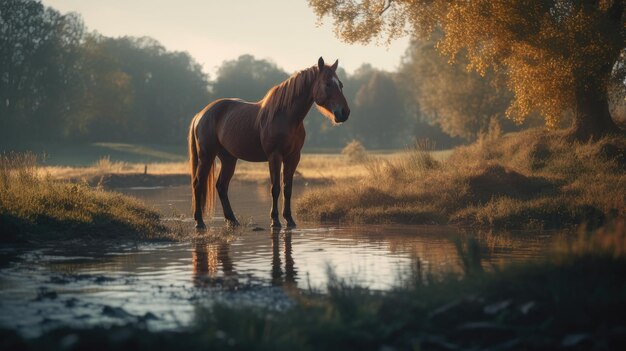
x: 62, y: 83
x: 59, y: 82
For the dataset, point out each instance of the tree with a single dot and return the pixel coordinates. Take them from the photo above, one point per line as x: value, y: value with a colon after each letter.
x: 134, y: 89
x: 380, y: 109
x: 556, y: 55
x: 103, y: 105
x: 460, y: 101
x: 247, y: 78
x: 38, y: 55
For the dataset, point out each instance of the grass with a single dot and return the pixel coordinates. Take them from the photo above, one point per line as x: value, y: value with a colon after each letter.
x: 530, y: 179
x: 122, y: 165
x: 33, y: 206
x: 313, y: 168
x: 82, y: 155
x: 575, y: 299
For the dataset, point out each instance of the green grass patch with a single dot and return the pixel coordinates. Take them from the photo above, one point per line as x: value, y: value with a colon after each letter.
x: 528, y: 179
x: 35, y: 207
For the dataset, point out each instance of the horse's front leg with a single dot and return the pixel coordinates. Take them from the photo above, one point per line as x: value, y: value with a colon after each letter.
x: 275, y: 161
x: 289, y: 169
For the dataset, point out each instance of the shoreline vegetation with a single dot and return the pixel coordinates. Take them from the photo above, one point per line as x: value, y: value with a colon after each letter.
x: 36, y: 207
x: 574, y: 299
x: 533, y: 179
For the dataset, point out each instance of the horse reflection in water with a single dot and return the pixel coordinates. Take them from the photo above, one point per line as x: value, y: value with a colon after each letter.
x: 288, y: 278
x: 207, y: 259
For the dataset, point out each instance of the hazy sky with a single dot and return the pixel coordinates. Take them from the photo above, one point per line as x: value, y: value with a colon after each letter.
x: 212, y: 31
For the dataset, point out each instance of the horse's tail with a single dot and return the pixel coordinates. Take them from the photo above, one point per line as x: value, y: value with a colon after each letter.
x: 206, y: 195
x: 193, y: 161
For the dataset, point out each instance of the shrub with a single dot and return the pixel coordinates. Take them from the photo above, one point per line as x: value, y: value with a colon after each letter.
x: 355, y: 151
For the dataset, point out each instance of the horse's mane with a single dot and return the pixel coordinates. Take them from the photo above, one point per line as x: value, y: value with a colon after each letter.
x: 281, y: 96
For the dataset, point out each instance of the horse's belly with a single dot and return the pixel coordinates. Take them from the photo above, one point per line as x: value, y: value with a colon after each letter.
x: 245, y: 146
x: 246, y: 155
x: 237, y: 135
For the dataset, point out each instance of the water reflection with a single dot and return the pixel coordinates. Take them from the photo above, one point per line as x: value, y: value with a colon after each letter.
x: 206, y: 260
x: 212, y: 265
x: 288, y: 277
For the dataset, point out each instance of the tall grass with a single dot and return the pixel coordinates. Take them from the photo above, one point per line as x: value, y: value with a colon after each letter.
x: 527, y: 179
x: 33, y: 206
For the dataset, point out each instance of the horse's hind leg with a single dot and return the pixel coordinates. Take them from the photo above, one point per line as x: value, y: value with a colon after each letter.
x: 223, y: 181
x: 200, y: 188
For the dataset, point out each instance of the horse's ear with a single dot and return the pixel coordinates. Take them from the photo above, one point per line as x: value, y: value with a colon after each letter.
x: 334, y: 66
x: 320, y: 63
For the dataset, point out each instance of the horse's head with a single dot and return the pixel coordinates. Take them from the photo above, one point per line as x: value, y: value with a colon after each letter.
x: 328, y: 93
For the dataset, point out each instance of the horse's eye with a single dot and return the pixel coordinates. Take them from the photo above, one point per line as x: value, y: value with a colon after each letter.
x: 328, y: 85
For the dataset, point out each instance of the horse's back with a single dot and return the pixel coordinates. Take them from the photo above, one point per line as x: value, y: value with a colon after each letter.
x: 230, y: 124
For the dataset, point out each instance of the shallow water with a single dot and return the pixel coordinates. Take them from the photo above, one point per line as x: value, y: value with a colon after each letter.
x: 162, y: 284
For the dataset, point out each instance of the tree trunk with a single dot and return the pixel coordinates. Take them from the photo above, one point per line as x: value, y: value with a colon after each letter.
x: 592, y: 118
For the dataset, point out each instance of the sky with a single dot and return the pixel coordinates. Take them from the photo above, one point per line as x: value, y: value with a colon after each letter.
x: 283, y: 31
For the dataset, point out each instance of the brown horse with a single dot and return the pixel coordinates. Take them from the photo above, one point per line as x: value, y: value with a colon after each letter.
x: 270, y: 130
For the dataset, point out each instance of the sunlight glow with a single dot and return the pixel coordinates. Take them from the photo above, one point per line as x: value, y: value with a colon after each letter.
x: 284, y: 31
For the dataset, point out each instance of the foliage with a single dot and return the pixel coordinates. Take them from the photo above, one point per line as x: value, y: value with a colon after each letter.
x: 381, y: 113
x: 58, y: 82
x: 39, y: 50
x: 155, y: 91
x: 463, y: 103
x: 247, y: 78
x: 557, y: 55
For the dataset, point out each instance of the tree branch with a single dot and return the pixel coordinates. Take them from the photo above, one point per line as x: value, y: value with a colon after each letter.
x: 386, y: 6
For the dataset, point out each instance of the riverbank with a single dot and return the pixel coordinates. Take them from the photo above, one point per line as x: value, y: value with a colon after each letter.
x: 35, y: 207
x: 532, y: 179
x: 573, y: 299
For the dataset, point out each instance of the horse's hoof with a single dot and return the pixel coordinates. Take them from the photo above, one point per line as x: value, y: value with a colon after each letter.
x: 232, y: 223
x: 276, y: 225
x: 291, y: 224
x: 200, y: 226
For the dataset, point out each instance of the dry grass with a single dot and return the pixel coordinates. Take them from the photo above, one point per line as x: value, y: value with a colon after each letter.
x: 527, y: 179
x: 315, y: 168
x: 39, y: 207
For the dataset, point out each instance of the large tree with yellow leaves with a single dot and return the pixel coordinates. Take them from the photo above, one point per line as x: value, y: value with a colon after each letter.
x: 558, y: 56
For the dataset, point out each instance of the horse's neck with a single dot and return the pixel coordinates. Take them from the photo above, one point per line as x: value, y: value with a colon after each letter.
x: 300, y: 107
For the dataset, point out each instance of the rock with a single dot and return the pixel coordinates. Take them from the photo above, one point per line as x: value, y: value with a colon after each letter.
x: 116, y: 312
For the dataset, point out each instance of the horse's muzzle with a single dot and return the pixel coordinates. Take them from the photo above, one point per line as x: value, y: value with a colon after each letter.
x: 341, y: 115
